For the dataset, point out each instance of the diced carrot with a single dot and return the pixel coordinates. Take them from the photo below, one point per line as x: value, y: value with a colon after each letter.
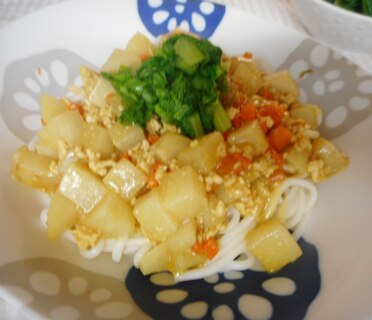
x: 233, y: 163
x: 156, y: 165
x: 152, y: 138
x: 125, y: 155
x: 266, y: 93
x: 239, y: 101
x: 208, y: 247
x: 77, y: 106
x: 279, y: 138
x: 248, y: 112
x: 152, y: 182
x: 264, y: 126
x: 277, y: 157
x: 144, y: 56
x: 227, y: 133
x: 275, y: 111
x: 248, y: 55
x: 43, y: 122
x: 237, y: 121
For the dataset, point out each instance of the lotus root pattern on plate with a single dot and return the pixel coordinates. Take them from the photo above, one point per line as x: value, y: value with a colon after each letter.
x: 27, y: 79
x: 163, y: 16
x: 249, y: 294
x: 60, y: 290
x: 342, y: 89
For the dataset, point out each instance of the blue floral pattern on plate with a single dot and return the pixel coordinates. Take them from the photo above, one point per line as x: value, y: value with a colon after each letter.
x: 163, y: 16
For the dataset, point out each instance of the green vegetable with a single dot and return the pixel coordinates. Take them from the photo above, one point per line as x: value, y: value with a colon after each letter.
x: 361, y: 6
x: 367, y: 7
x: 180, y: 84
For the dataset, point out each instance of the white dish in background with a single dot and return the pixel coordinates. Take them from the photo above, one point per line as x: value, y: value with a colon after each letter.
x: 337, y: 27
x: 51, y: 279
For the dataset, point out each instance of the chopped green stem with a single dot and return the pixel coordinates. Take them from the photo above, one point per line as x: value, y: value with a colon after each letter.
x: 220, y: 118
x: 196, y: 127
x: 188, y: 52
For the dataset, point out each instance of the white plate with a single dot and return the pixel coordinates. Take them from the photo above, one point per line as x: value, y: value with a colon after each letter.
x: 41, y: 53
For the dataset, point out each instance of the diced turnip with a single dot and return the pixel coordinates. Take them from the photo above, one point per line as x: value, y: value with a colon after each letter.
x: 125, y: 178
x: 67, y: 127
x: 139, y: 44
x: 250, y: 133
x: 62, y: 215
x: 183, y: 239
x: 126, y: 137
x: 297, y: 160
x: 155, y: 222
x: 311, y: 113
x: 156, y: 260
x: 203, y: 153
x: 169, y: 146
x: 183, y: 261
x: 119, y: 58
x: 334, y: 160
x: 272, y: 245
x: 97, y: 139
x: 82, y: 186
x: 32, y: 169
x: 112, y: 216
x: 51, y: 106
x: 283, y: 82
x: 101, y: 92
x: 246, y: 78
x: 183, y: 194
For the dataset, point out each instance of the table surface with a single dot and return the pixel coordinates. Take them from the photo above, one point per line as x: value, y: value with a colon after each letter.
x: 279, y: 11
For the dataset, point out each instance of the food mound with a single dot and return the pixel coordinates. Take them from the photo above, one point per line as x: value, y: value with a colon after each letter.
x: 187, y: 159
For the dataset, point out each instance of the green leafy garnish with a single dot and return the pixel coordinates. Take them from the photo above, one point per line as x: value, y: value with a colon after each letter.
x: 180, y: 84
x: 361, y: 6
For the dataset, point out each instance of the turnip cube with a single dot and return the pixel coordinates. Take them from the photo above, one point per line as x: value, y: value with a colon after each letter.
x: 169, y: 145
x: 203, y: 154
x: 82, y: 186
x: 51, y: 106
x: 183, y: 239
x: 62, y: 215
x: 182, y: 194
x: 272, y: 245
x: 156, y: 260
x: 126, y: 137
x: 97, y: 139
x: 119, y: 58
x: 252, y: 134
x: 67, y: 126
x: 112, y: 216
x: 125, y: 178
x: 155, y: 222
x: 32, y: 169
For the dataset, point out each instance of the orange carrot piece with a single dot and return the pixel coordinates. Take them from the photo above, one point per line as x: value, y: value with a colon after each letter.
x: 248, y: 112
x: 237, y: 121
x: 233, y: 163
x: 275, y: 111
x: 277, y: 157
x: 248, y: 55
x: 43, y: 122
x: 279, y: 138
x: 152, y: 182
x: 267, y: 94
x: 208, y: 247
x: 77, y: 106
x: 152, y: 138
